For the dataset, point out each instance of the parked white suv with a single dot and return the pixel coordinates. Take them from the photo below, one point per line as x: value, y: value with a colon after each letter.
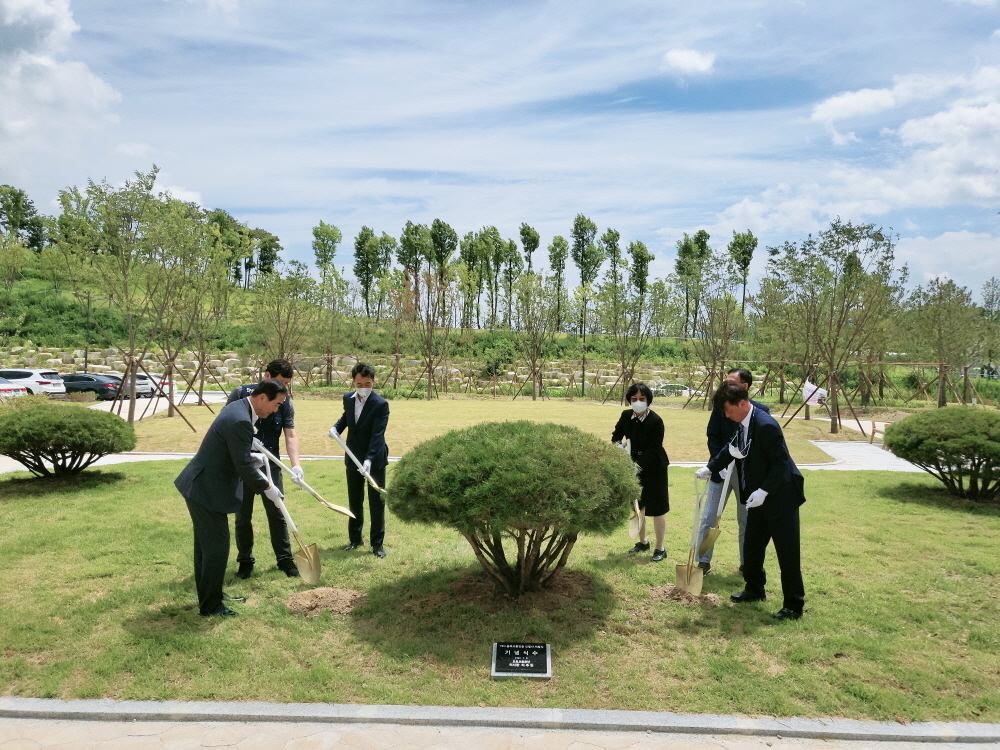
x: 36, y: 380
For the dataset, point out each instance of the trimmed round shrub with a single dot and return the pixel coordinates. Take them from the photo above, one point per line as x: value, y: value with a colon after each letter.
x: 519, y: 492
x: 69, y: 438
x: 958, y: 445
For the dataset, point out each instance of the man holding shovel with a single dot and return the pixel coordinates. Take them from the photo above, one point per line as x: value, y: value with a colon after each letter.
x: 269, y: 430
x: 720, y: 431
x: 771, y: 486
x: 366, y: 415
x: 211, y: 486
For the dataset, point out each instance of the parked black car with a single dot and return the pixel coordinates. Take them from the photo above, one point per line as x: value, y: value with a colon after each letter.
x: 106, y: 388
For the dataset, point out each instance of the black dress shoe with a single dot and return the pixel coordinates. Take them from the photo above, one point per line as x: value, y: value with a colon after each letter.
x: 291, y: 571
x: 245, y: 570
x: 745, y: 596
x: 350, y: 547
x: 227, y: 598
x: 221, y: 611
x: 659, y: 555
x: 378, y: 551
x: 639, y: 547
x: 787, y: 614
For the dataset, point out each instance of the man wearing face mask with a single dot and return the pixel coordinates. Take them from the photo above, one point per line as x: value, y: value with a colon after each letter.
x: 720, y: 431
x: 644, y: 430
x: 772, y: 488
x: 366, y: 415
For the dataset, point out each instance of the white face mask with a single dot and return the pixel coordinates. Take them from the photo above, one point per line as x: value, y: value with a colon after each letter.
x: 638, y: 406
x: 364, y: 392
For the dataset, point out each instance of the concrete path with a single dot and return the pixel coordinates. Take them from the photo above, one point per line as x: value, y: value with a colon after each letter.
x: 29, y: 723
x: 147, y: 407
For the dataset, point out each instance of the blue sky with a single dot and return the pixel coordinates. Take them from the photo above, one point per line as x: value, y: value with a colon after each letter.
x: 655, y: 118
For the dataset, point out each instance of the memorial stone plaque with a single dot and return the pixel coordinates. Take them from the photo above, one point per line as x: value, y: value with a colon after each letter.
x: 533, y: 660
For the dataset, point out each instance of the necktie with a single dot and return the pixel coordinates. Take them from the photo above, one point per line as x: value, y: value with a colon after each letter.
x: 742, y: 446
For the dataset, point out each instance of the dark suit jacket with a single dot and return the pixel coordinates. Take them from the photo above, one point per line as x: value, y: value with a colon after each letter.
x: 721, y: 430
x: 646, y: 440
x: 366, y: 439
x: 212, y: 477
x: 768, y: 466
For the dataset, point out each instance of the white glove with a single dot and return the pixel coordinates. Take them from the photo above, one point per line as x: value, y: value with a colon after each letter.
x: 757, y: 498
x: 621, y: 447
x: 298, y: 474
x: 257, y: 445
x: 366, y: 467
x: 258, y: 460
x: 722, y: 474
x: 703, y: 473
x: 332, y: 433
x: 273, y: 494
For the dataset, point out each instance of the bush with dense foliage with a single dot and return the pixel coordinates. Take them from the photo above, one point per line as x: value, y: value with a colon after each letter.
x: 532, y: 486
x: 68, y: 437
x: 958, y: 445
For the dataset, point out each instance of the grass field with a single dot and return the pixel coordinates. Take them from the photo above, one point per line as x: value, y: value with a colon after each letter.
x: 412, y: 421
x: 902, y: 608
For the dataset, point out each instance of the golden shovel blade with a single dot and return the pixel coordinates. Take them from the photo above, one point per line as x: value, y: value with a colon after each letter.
x: 690, y: 579
x: 635, y: 522
x: 307, y: 561
x: 709, y: 541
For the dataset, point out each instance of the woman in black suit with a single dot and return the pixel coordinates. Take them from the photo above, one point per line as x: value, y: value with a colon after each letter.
x: 644, y: 429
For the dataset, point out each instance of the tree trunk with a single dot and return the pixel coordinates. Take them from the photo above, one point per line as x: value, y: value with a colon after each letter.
x: 832, y: 402
x: 781, y: 384
x: 169, y: 371
x: 942, y: 396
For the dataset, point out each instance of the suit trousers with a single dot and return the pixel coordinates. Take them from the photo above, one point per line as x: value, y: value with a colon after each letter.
x: 356, y: 483
x: 783, y: 529
x: 275, y: 522
x: 711, y: 512
x: 211, y: 554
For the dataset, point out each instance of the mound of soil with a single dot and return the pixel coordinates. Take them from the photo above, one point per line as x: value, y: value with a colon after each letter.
x: 675, y: 594
x: 480, y: 591
x: 314, y: 601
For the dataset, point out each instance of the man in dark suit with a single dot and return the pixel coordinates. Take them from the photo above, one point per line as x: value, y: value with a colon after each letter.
x: 213, y: 484
x: 720, y: 431
x: 365, y: 417
x: 772, y: 488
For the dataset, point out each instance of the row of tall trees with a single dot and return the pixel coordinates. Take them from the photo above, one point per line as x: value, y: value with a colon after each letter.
x: 825, y: 303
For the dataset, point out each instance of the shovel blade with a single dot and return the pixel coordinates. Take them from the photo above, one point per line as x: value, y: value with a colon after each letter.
x: 633, y: 527
x: 307, y: 561
x: 690, y: 579
x: 709, y: 541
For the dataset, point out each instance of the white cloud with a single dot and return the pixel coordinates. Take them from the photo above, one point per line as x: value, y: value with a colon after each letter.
x: 995, y: 35
x: 134, y: 149
x: 182, y: 194
x: 934, y: 257
x: 870, y: 101
x: 689, y: 61
x: 43, y: 98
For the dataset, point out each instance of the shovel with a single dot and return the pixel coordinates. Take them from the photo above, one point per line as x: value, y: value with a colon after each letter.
x: 690, y: 577
x: 361, y: 469
x: 307, y: 559
x: 635, y: 522
x: 259, y: 448
x: 713, y: 532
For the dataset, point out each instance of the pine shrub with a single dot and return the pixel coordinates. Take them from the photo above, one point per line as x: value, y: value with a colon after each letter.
x: 957, y: 445
x: 519, y: 492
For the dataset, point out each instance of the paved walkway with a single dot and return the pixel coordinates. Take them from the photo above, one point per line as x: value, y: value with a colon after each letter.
x: 30, y: 723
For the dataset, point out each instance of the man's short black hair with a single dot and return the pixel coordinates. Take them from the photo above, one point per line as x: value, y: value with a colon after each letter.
x: 639, y: 388
x: 364, y: 370
x: 270, y: 387
x: 280, y: 367
x: 746, y: 377
x: 729, y: 393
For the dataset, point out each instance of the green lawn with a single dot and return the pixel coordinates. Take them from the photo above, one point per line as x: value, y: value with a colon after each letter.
x: 901, y: 621
x: 413, y: 421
